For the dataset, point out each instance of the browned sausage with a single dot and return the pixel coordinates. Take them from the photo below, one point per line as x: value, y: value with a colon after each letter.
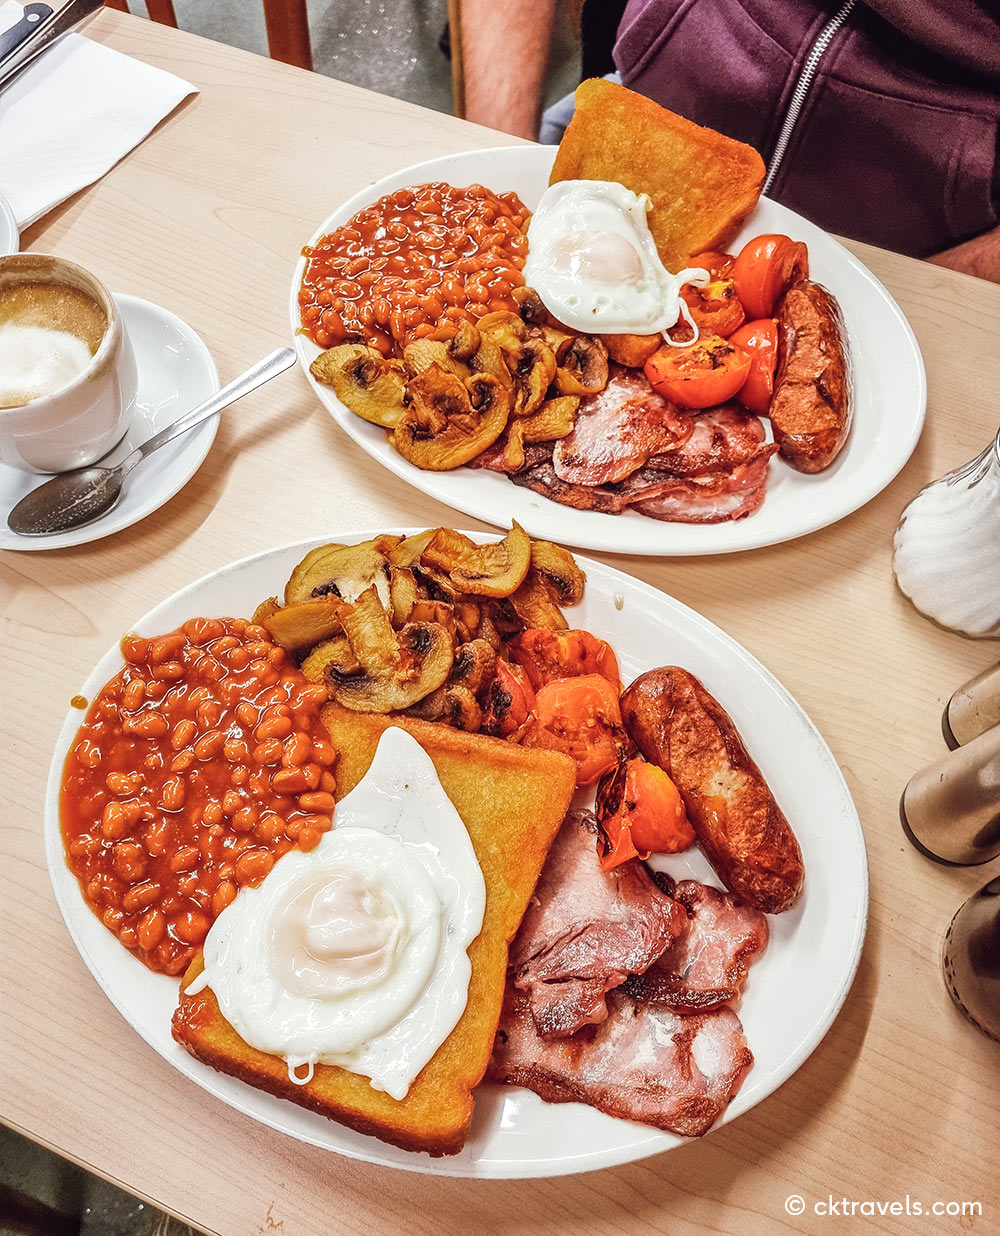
x: 812, y: 402
x: 678, y: 725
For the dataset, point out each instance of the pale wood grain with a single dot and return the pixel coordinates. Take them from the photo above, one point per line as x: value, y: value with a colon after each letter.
x: 207, y: 217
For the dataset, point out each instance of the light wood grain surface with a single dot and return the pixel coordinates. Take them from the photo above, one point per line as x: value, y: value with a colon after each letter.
x: 207, y: 217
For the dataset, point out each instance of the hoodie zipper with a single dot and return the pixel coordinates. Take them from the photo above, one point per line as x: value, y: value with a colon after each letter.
x: 802, y: 87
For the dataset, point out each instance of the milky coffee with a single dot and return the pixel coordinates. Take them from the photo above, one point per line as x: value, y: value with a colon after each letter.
x: 49, y: 333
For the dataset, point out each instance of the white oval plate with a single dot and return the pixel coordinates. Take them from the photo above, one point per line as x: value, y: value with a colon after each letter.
x: 176, y: 373
x: 792, y: 994
x: 891, y: 394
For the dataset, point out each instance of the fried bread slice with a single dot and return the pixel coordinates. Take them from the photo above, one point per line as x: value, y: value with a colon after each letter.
x: 512, y: 801
x: 701, y: 183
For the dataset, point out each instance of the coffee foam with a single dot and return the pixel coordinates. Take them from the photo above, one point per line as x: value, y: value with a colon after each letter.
x: 49, y: 333
x: 36, y: 361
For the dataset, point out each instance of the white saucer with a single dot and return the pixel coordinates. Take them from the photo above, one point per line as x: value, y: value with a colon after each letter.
x: 10, y: 237
x: 176, y: 372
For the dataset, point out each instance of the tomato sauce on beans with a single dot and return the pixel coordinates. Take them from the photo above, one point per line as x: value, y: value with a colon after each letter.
x: 197, y: 766
x: 414, y: 261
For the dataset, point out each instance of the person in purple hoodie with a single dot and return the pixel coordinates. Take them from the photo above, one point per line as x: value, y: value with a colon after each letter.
x: 878, y: 119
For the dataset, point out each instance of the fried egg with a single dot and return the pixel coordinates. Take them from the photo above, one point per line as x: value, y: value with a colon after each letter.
x: 593, y: 261
x: 354, y: 953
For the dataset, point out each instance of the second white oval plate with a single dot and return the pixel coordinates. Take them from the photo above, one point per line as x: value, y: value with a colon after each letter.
x: 792, y: 995
x: 890, y: 393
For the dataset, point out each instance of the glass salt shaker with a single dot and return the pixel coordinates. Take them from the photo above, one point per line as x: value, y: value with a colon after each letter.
x: 946, y: 551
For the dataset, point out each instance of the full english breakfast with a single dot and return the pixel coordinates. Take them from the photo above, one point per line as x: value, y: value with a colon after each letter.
x: 578, y: 349
x: 392, y: 832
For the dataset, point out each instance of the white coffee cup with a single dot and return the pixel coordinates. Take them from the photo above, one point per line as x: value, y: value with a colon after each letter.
x: 79, y: 420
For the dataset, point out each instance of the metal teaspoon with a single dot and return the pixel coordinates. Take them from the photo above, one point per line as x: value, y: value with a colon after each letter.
x: 73, y: 499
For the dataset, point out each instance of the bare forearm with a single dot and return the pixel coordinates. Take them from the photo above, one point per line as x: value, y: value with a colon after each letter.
x: 505, y: 52
x: 979, y: 256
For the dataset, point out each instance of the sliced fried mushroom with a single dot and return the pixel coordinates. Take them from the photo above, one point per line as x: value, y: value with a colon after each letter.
x: 433, y: 584
x: 385, y: 543
x: 450, y: 705
x: 560, y: 341
x: 305, y: 624
x: 450, y: 422
x: 297, y: 588
x: 465, y: 342
x: 466, y: 618
x: 557, y: 568
x: 461, y: 709
x: 507, y: 620
x: 408, y: 551
x: 506, y: 330
x: 583, y: 370
x: 533, y: 368
x: 486, y: 630
x: 534, y: 606
x: 336, y: 651
x: 475, y: 665
x: 431, y: 707
x: 422, y: 353
x: 489, y: 359
x: 496, y: 568
x: 465, y: 354
x: 402, y: 594
x: 528, y: 359
x: 440, y: 612
x: 342, y: 571
x: 264, y: 610
x: 364, y: 381
x: 370, y: 633
x: 455, y: 703
x: 554, y: 419
x: 446, y: 549
x: 513, y: 447
x: 530, y: 307
x: 395, y: 670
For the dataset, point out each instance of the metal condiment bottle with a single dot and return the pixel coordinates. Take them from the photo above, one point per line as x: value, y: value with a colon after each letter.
x: 951, y: 809
x: 971, y: 959
x: 973, y: 709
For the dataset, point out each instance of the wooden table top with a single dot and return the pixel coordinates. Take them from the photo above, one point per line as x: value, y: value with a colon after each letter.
x: 206, y: 217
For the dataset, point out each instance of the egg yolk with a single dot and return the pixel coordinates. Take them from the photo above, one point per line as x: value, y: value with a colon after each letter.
x: 336, y: 935
x: 599, y: 257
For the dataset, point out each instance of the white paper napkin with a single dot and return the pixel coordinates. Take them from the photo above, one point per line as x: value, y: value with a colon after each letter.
x: 70, y: 116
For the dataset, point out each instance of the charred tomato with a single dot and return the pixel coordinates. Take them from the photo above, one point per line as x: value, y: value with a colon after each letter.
x: 764, y: 270
x: 641, y: 812
x: 760, y: 341
x: 699, y: 375
x: 547, y: 655
x: 509, y: 701
x: 581, y: 717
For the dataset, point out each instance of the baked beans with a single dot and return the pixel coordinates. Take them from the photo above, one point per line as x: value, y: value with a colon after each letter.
x: 413, y: 261
x: 173, y: 799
